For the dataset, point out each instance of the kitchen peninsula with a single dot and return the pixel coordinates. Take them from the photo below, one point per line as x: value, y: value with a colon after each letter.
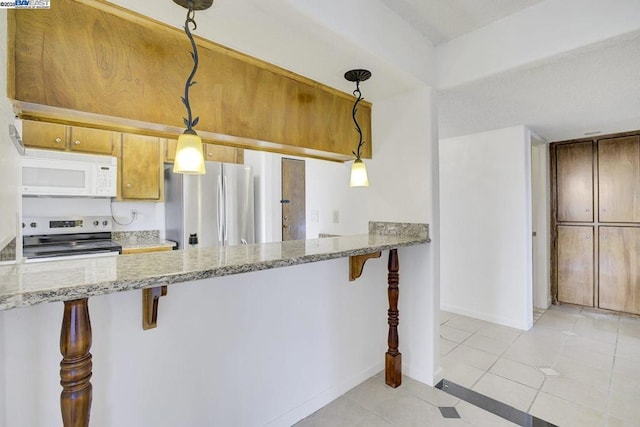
x: 74, y: 281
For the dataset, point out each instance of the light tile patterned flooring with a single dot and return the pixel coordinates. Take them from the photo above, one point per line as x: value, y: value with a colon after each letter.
x: 575, y: 367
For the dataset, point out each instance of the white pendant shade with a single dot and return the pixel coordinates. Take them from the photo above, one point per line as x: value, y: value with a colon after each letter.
x: 359, y: 174
x: 189, y: 155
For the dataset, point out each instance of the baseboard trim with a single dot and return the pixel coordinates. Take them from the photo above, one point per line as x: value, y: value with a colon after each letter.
x: 487, y: 317
x: 323, y: 398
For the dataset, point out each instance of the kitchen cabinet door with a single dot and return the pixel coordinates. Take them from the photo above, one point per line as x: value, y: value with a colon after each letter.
x: 221, y: 153
x: 575, y: 265
x: 44, y: 135
x: 619, y: 179
x: 170, y: 146
x: 574, y: 172
x: 89, y: 140
x: 140, y: 162
x: 619, y: 287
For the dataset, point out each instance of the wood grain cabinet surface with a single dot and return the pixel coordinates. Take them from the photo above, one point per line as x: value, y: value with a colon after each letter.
x: 575, y: 265
x: 575, y: 182
x: 70, y: 138
x: 88, y: 140
x: 140, y: 167
x: 596, y: 260
x: 619, y: 179
x: 620, y: 269
x: 44, y: 135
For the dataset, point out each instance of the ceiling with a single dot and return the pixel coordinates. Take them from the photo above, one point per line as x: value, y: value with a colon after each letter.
x: 595, y: 88
x: 592, y: 89
x: 443, y: 20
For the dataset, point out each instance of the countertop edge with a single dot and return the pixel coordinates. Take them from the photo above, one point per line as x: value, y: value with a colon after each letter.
x: 39, y: 296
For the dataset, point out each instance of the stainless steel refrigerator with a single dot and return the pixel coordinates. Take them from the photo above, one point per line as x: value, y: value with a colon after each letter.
x: 216, y: 208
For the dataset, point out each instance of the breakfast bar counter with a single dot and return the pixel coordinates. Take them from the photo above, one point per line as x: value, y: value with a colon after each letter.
x: 73, y: 281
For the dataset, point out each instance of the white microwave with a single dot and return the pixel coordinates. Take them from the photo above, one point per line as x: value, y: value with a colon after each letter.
x: 52, y: 173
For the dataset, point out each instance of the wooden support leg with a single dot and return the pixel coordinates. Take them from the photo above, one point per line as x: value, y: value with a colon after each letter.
x: 75, y: 368
x: 393, y: 358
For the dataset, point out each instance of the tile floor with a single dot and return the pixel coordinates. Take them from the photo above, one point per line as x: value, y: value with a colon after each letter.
x: 575, y: 367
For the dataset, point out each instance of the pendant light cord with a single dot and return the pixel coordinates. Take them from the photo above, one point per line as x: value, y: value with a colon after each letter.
x: 358, y: 94
x: 188, y: 121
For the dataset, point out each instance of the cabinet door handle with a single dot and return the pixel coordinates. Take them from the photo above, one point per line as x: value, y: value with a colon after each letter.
x: 588, y: 237
x: 129, y: 185
x: 604, y: 210
x: 58, y: 140
x: 604, y: 237
x: 587, y: 210
x: 77, y: 142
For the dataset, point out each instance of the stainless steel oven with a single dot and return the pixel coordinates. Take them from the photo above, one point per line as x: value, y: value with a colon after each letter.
x: 47, y: 238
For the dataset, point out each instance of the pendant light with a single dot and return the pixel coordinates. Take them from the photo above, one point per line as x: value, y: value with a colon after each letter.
x: 189, y: 154
x: 358, y: 169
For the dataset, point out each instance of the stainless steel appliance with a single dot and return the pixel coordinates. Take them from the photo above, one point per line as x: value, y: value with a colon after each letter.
x: 62, y: 174
x: 214, y: 209
x: 46, y: 238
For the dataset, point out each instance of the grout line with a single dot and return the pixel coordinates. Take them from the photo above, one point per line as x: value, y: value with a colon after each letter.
x: 613, y: 365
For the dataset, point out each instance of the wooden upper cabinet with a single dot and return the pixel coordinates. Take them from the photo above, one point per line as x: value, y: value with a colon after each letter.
x: 73, y: 138
x: 169, y: 146
x: 574, y: 172
x: 91, y: 140
x: 141, y: 160
x: 97, y: 58
x: 619, y: 270
x: 619, y: 179
x: 575, y: 265
x: 44, y: 135
x: 221, y: 153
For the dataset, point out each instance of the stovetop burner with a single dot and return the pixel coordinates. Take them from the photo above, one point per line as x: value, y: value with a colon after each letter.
x: 59, y: 237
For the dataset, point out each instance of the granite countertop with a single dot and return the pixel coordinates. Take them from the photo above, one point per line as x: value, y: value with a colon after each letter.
x: 141, y: 239
x: 28, y: 284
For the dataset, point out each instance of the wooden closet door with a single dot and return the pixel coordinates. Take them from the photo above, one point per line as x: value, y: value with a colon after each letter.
x: 619, y: 274
x: 574, y: 169
x: 619, y: 179
x: 575, y: 265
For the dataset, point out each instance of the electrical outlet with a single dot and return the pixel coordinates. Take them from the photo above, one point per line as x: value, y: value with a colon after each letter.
x: 336, y: 216
x: 315, y: 216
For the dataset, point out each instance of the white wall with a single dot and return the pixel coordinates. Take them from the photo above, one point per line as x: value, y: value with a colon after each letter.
x: 327, y: 191
x: 485, y: 207
x: 543, y: 30
x: 403, y: 177
x: 8, y: 155
x: 149, y: 216
x: 253, y: 349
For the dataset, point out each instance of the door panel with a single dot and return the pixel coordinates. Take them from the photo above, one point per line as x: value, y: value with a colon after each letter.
x: 140, y: 167
x: 619, y: 179
x: 293, y: 200
x: 575, y: 265
x: 620, y: 269
x: 91, y: 140
x: 574, y: 163
x: 44, y: 135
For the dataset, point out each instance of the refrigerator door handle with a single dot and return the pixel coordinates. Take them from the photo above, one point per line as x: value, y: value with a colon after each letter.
x: 219, y: 218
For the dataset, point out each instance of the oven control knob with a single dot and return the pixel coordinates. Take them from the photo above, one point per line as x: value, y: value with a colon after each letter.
x: 32, y: 225
x: 105, y: 222
x: 95, y: 223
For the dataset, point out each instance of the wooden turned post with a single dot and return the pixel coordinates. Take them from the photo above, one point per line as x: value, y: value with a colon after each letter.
x: 75, y: 368
x: 393, y: 358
